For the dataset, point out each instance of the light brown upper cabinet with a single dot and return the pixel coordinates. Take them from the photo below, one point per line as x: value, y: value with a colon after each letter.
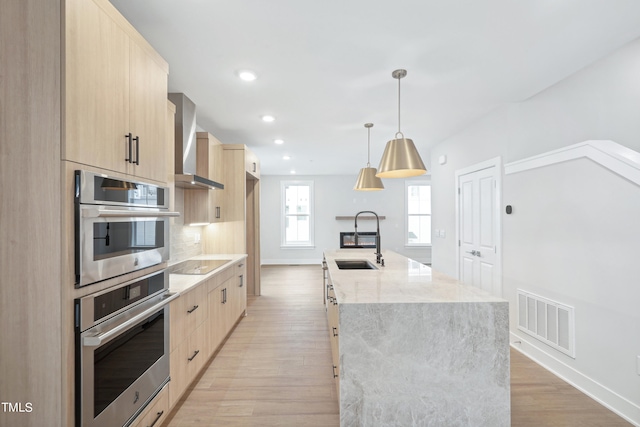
x: 200, y: 205
x: 115, y: 93
x: 252, y: 164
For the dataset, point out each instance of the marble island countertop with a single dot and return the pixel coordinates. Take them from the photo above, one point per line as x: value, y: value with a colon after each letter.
x: 414, y: 347
x: 181, y: 283
x: 401, y: 280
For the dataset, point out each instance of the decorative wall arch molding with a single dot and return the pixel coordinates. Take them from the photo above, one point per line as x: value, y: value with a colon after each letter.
x: 613, y: 156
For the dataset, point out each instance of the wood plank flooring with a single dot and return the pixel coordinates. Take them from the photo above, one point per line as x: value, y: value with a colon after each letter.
x: 275, y: 370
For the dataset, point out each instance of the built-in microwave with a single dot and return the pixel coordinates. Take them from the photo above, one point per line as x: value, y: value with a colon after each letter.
x: 120, y: 226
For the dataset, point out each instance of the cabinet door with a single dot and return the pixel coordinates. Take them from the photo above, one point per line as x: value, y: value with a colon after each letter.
x: 179, y: 371
x: 239, y: 293
x: 252, y: 165
x: 197, y: 354
x: 219, y: 313
x: 148, y: 97
x: 216, y: 173
x: 97, y: 88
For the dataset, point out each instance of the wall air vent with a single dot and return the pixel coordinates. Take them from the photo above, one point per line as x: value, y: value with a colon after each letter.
x: 549, y: 321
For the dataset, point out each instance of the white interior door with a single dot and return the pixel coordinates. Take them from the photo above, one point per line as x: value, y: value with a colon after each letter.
x: 478, y: 229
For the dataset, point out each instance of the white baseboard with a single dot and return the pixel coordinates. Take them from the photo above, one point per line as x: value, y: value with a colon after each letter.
x: 598, y: 392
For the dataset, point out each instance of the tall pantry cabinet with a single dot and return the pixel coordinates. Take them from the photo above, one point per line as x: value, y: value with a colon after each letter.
x: 76, y: 80
x: 239, y: 232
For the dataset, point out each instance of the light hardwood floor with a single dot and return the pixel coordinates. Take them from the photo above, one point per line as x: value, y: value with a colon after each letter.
x: 275, y: 370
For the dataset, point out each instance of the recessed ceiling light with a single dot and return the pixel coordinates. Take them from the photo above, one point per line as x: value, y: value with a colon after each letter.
x: 278, y: 141
x: 286, y: 158
x: 293, y: 172
x: 268, y: 118
x: 246, y: 75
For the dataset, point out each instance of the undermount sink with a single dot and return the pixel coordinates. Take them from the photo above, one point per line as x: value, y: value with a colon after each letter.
x: 355, y: 264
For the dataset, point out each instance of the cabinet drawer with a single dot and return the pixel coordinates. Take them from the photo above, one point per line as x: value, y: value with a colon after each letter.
x: 220, y: 278
x: 187, y: 360
x: 187, y: 312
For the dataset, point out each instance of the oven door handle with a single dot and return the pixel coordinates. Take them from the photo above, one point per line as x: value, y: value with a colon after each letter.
x: 98, y: 340
x: 106, y: 213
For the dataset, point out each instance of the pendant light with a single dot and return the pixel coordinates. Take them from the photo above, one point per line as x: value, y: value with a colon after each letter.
x: 400, y: 158
x: 367, y: 179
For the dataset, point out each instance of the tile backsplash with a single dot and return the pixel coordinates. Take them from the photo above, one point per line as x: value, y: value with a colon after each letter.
x: 186, y: 241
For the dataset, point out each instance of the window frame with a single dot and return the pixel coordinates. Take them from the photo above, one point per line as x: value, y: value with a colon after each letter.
x: 413, y: 183
x: 283, y: 215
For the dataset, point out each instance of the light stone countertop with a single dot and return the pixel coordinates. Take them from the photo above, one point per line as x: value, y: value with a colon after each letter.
x: 181, y: 283
x: 416, y: 347
x: 401, y: 280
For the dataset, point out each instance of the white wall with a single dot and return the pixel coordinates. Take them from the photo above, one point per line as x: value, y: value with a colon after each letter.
x: 334, y: 196
x: 574, y: 230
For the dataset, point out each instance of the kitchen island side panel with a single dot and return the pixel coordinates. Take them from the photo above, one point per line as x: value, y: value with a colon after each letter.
x: 424, y: 364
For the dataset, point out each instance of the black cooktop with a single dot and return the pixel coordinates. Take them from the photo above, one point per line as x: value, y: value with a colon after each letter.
x: 200, y: 266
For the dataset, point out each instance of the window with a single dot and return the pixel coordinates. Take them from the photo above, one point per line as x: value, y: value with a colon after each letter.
x: 418, y: 213
x: 297, y: 213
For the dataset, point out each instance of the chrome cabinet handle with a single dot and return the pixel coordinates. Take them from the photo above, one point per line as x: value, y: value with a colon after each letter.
x: 195, y: 307
x: 194, y: 355
x: 98, y: 340
x: 335, y: 333
x: 334, y: 371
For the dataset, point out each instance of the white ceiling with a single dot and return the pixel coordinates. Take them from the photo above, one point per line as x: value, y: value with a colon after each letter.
x: 324, y: 67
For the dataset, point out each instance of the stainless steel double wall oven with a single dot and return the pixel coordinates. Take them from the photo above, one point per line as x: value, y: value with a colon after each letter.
x: 122, y: 332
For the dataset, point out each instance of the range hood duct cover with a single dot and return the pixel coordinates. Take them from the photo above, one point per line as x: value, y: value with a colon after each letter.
x: 185, y: 146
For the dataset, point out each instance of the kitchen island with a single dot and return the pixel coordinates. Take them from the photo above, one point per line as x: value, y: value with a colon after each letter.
x: 415, y: 347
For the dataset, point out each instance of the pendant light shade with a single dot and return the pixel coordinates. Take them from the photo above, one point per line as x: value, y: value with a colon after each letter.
x: 367, y: 179
x: 400, y: 158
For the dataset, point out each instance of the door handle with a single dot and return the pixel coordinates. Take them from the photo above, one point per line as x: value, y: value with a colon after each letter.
x: 137, y: 140
x: 98, y: 340
x: 474, y: 253
x: 129, y: 147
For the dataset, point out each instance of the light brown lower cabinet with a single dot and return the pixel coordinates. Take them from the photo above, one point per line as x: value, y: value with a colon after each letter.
x: 334, y: 332
x: 189, y: 346
x: 200, y: 320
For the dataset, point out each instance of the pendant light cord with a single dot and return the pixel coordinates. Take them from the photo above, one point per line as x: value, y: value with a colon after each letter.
x: 399, y: 74
x: 368, y: 147
x: 368, y: 126
x: 399, y: 109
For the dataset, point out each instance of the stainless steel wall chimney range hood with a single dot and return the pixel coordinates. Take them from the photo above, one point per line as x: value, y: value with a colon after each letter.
x: 185, y: 140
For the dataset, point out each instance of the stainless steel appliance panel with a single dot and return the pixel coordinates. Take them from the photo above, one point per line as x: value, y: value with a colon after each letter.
x: 122, y: 358
x: 120, y: 227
